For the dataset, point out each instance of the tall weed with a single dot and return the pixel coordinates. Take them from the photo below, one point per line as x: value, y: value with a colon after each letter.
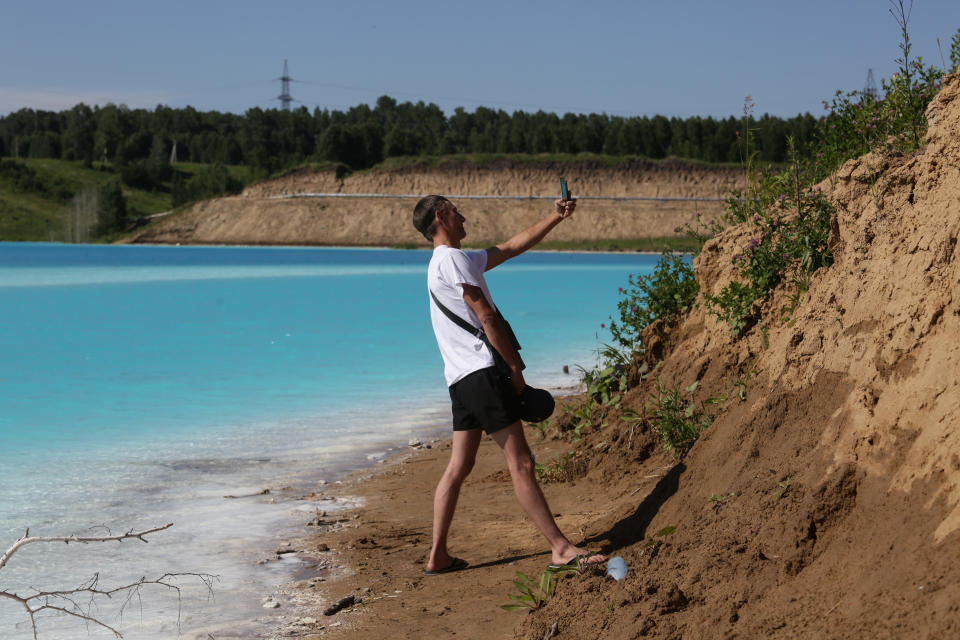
x: 676, y: 418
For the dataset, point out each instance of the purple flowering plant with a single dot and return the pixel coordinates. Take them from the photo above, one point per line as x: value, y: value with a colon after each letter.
x: 790, y: 228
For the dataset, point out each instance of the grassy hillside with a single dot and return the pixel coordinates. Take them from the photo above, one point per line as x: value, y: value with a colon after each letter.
x: 37, y: 195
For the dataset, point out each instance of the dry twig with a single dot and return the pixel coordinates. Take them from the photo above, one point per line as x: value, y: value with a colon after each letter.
x: 67, y: 601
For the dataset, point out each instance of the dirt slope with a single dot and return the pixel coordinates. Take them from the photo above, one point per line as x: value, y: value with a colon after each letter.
x: 836, y: 481
x: 254, y: 218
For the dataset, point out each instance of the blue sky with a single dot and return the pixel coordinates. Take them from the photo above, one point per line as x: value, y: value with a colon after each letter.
x: 673, y: 57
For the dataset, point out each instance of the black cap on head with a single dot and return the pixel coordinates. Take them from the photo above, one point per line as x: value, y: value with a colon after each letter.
x: 536, y: 405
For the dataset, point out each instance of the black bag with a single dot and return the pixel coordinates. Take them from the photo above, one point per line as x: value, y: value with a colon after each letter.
x: 498, y: 360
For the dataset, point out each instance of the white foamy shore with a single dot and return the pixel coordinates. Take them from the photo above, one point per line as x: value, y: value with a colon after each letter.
x: 231, y: 514
x: 271, y: 473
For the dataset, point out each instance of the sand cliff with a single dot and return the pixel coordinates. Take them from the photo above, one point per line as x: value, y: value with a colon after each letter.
x: 841, y: 467
x: 256, y: 216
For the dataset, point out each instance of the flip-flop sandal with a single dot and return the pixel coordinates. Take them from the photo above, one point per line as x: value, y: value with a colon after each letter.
x: 456, y: 565
x: 576, y: 562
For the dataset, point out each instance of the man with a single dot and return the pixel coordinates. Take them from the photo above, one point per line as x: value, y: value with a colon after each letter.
x: 483, y: 399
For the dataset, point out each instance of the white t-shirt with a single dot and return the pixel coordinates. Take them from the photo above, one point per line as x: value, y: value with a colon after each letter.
x: 449, y: 270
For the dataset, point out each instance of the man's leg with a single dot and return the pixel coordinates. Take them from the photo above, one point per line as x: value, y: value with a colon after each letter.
x: 462, y: 457
x: 523, y: 472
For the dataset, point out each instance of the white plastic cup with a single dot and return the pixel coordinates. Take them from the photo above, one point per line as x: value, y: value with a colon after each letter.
x: 617, y: 567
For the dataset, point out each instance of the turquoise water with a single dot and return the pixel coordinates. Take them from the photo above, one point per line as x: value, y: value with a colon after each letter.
x: 142, y: 384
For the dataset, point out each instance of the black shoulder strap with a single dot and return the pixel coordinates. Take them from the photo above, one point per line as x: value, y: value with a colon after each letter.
x: 457, y: 320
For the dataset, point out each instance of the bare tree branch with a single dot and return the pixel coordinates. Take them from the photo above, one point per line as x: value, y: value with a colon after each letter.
x: 26, y: 539
x: 65, y: 600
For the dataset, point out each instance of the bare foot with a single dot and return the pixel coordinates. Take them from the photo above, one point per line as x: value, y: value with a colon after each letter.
x: 439, y: 561
x: 569, y: 556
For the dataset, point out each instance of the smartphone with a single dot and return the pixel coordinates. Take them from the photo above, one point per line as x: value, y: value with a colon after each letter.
x: 564, y: 194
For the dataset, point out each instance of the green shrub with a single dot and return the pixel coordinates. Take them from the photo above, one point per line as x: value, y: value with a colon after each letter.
x: 665, y: 294
x: 26, y: 180
x: 210, y: 181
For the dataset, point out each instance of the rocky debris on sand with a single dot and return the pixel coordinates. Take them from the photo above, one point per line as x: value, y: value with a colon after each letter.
x: 265, y: 492
x: 318, y: 519
x: 341, y: 604
x: 286, y: 548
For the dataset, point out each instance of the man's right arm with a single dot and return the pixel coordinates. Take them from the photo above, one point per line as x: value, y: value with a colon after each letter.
x: 530, y: 236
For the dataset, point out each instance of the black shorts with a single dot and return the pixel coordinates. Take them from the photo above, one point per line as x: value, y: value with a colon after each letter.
x: 484, y: 399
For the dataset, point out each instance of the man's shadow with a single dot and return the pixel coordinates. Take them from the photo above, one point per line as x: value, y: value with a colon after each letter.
x: 633, y: 528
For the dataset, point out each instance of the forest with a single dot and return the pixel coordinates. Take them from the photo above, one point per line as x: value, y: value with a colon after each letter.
x: 272, y: 140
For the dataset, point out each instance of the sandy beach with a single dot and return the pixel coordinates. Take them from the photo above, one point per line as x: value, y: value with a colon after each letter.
x: 376, y: 552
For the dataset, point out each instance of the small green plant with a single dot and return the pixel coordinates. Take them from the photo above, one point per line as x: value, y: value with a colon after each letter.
x: 555, y: 469
x: 665, y: 294
x: 677, y: 420
x: 741, y: 386
x: 541, y: 428
x: 720, y: 498
x: 652, y: 546
x: 733, y: 305
x: 580, y: 419
x: 632, y: 418
x: 603, y: 385
x: 534, y: 594
x: 784, y: 487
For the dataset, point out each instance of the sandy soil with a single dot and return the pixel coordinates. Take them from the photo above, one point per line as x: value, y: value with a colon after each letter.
x: 822, y: 502
x: 377, y: 552
x: 254, y: 218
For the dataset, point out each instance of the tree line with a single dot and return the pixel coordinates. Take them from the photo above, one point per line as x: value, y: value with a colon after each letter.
x: 269, y: 140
